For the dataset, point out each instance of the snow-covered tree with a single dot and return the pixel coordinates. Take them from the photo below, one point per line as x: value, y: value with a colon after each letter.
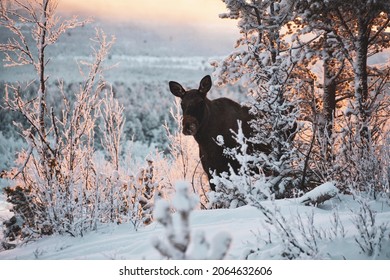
x: 340, y: 111
x: 262, y: 62
x: 352, y: 117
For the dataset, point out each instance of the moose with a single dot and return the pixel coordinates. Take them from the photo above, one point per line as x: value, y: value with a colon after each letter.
x: 207, y: 119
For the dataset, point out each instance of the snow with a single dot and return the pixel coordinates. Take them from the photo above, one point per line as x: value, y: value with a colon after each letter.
x: 5, y: 213
x: 327, y: 189
x: 161, y: 209
x: 183, y: 202
x: 245, y: 227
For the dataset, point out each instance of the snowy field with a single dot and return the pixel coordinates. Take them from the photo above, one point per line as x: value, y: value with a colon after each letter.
x: 315, y: 228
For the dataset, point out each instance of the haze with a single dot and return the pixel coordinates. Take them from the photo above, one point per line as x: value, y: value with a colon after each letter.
x: 193, y: 12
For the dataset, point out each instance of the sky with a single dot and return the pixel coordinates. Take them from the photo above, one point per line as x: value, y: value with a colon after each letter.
x: 194, y: 12
x: 194, y: 25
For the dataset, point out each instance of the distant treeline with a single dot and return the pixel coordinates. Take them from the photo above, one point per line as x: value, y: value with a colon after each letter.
x: 146, y: 107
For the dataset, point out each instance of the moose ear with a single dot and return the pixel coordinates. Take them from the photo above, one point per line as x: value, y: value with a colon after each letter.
x: 205, y: 85
x: 176, y: 89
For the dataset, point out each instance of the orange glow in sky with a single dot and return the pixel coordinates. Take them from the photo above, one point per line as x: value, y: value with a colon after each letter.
x: 169, y: 11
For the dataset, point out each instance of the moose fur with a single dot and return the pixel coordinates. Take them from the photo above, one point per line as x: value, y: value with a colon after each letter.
x: 206, y: 119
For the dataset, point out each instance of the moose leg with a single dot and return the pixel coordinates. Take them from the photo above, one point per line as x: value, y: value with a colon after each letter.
x: 207, y: 168
x: 212, y: 185
x: 209, y: 173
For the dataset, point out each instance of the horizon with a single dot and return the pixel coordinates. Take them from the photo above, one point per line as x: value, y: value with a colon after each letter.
x: 192, y: 24
x: 200, y: 13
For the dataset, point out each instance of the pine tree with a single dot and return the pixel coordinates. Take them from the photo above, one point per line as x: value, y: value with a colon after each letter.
x: 262, y: 63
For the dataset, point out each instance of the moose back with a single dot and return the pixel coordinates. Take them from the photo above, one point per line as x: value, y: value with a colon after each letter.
x: 206, y: 119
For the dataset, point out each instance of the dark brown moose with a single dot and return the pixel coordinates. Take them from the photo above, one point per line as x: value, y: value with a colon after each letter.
x: 206, y: 119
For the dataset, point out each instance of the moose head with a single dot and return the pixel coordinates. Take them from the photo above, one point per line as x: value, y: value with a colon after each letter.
x: 193, y: 104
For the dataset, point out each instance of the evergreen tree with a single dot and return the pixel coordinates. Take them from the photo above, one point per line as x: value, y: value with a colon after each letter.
x: 342, y: 113
x: 263, y: 63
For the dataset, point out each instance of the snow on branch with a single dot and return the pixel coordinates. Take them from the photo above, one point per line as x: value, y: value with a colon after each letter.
x: 178, y: 241
x: 319, y: 194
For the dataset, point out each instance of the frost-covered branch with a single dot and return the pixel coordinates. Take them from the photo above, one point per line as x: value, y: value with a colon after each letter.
x: 248, y: 184
x: 371, y: 236
x: 112, y: 113
x: 179, y: 242
x: 58, y: 174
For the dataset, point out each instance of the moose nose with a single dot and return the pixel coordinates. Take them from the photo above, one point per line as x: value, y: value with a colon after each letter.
x: 190, y: 125
x: 189, y: 129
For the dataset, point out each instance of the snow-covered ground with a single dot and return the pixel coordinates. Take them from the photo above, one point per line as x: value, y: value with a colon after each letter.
x: 252, y: 237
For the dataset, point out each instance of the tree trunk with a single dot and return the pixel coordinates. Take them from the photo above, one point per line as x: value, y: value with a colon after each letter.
x: 41, y: 71
x: 329, y: 94
x: 328, y: 99
x: 361, y: 76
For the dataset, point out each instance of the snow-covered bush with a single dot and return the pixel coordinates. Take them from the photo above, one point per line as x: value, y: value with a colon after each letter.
x: 112, y: 125
x: 61, y: 186
x: 67, y: 187
x: 179, y: 242
x: 247, y: 185
x: 297, y: 238
x: 371, y: 236
x: 144, y: 191
x: 364, y: 163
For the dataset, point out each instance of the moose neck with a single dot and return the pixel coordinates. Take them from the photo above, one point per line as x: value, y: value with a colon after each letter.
x: 202, y: 135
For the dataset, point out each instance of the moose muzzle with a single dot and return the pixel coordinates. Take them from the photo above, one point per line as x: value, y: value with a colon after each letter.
x: 190, y: 125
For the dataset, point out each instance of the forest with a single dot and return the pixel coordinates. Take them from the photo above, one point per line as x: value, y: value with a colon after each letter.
x: 80, y: 154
